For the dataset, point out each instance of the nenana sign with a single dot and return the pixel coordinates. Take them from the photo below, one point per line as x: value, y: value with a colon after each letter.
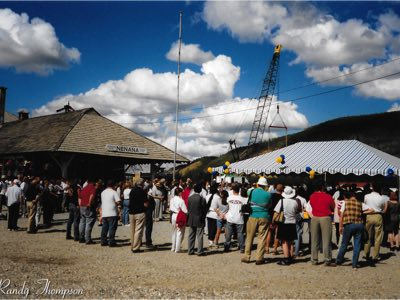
x: 126, y: 149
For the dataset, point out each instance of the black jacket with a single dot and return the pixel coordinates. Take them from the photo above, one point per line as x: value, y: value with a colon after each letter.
x: 197, y: 210
x: 137, y: 198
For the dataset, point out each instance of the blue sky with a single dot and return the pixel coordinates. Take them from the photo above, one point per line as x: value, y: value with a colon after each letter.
x: 120, y: 58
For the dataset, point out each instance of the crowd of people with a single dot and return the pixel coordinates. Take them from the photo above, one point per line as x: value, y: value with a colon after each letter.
x: 274, y: 214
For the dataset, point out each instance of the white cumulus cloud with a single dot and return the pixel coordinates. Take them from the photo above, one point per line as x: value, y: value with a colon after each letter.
x: 245, y: 20
x: 231, y: 119
x: 385, y: 88
x: 323, y: 43
x: 145, y: 101
x: 145, y: 91
x: 394, y: 107
x: 190, y: 53
x: 32, y: 45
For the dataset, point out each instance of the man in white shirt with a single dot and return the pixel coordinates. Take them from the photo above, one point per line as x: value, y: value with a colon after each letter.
x: 375, y: 201
x: 110, y: 201
x: 234, y: 218
x: 14, y: 198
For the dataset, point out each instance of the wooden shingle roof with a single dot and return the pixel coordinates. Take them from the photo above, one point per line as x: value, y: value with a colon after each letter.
x: 83, y: 131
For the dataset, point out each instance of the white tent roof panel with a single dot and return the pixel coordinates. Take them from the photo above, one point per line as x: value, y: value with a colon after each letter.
x: 345, y: 157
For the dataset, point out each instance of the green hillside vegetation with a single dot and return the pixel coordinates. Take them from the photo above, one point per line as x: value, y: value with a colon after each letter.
x: 381, y: 131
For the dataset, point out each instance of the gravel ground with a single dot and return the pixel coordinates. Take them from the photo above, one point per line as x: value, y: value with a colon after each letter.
x: 92, y: 271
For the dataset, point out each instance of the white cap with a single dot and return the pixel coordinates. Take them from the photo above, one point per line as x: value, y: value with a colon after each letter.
x: 262, y: 181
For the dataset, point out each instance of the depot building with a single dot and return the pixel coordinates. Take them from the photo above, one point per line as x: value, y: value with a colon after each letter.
x: 74, y: 144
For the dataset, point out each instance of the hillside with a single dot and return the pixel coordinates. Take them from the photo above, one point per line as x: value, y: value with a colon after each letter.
x: 381, y: 131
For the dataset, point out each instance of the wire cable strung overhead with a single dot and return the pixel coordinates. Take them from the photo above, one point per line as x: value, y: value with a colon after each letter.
x: 190, y: 109
x: 293, y: 100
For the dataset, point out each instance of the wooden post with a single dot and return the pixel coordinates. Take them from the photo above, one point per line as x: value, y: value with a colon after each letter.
x: 63, y: 162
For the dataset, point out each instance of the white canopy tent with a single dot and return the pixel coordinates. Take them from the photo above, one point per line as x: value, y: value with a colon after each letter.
x: 344, y: 157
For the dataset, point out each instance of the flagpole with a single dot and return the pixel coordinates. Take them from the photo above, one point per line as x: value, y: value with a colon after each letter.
x: 177, y: 101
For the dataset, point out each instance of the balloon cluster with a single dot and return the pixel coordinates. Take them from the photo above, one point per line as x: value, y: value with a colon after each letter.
x: 226, y: 167
x: 390, y: 172
x: 311, y: 172
x: 280, y: 159
x: 210, y: 170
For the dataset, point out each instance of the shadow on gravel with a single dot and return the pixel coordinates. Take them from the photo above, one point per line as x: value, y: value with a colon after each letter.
x: 385, y: 256
x: 50, y: 231
x: 160, y: 247
x: 59, y: 222
x: 212, y: 252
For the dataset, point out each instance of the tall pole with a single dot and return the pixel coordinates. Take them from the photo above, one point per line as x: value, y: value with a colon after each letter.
x: 177, y: 100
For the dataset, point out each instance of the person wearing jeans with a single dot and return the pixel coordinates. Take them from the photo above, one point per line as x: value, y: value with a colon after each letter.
x: 110, y: 201
x: 234, y: 218
x: 88, y: 215
x: 298, y: 242
x: 350, y: 226
x: 302, y: 202
x: 109, y: 228
x: 71, y: 201
x: 73, y: 219
x: 125, y: 203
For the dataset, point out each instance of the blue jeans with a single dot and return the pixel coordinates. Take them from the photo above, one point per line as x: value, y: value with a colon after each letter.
x: 229, y: 233
x: 73, y: 219
x: 349, y: 231
x: 88, y: 217
x: 297, y: 243
x: 110, y: 225
x: 125, y: 212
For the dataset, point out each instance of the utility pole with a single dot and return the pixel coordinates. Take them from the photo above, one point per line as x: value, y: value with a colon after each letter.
x: 177, y: 100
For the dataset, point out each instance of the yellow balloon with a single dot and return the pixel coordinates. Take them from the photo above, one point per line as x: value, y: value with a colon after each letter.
x: 312, y: 173
x: 209, y: 169
x: 227, y: 163
x: 278, y: 160
x: 226, y: 171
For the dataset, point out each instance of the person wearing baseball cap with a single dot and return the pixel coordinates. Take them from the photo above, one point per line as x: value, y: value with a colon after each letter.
x: 259, y: 221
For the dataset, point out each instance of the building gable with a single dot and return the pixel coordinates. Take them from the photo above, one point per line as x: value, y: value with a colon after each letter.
x: 95, y: 134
